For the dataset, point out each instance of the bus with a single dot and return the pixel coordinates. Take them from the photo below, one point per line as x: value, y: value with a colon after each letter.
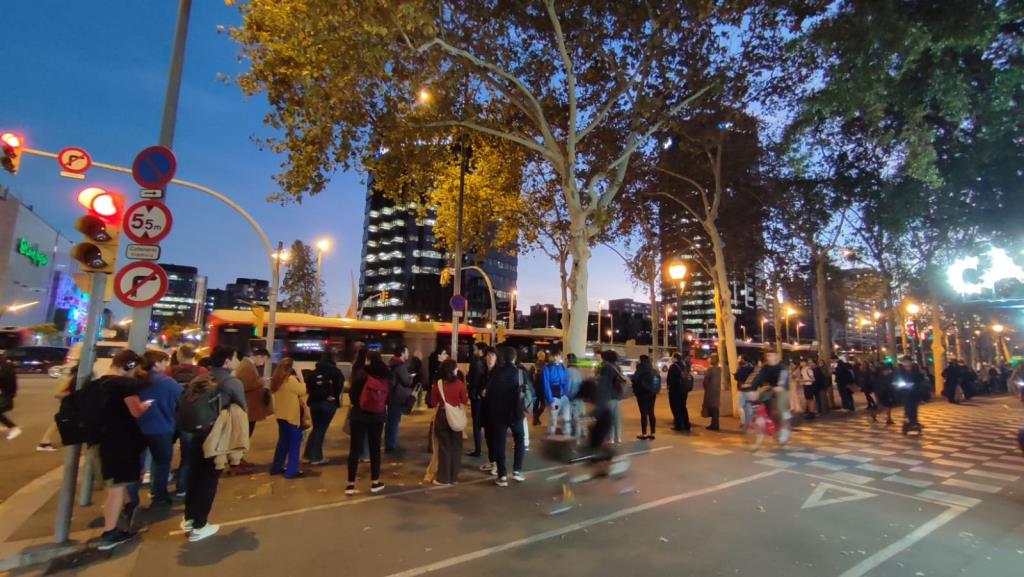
x: 305, y: 337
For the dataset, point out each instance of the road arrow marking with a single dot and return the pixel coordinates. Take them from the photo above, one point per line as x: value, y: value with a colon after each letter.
x: 818, y: 499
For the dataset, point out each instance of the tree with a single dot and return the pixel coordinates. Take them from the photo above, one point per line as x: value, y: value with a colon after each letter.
x: 299, y: 288
x: 581, y: 98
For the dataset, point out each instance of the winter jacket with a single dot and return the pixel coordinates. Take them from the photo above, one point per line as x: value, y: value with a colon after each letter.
x: 228, y: 440
x: 164, y: 392
x: 333, y: 381
x: 401, y: 383
x: 556, y: 382
x: 287, y: 400
x: 249, y: 374
x: 502, y: 393
x: 232, y: 391
x: 713, y: 388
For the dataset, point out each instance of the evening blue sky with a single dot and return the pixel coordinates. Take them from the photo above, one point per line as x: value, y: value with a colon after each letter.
x: 93, y: 74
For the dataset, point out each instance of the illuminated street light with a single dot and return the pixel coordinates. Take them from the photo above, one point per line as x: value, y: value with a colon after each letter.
x: 913, y: 308
x: 677, y: 272
x: 424, y: 96
x: 998, y: 328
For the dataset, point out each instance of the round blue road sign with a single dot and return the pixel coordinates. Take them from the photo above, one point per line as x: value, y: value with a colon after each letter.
x: 154, y: 167
x: 458, y: 303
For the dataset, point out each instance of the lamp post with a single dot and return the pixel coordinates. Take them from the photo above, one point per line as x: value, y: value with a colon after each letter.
x: 798, y: 325
x: 763, y: 320
x: 668, y: 311
x: 790, y: 311
x: 512, y: 310
x: 997, y: 330
x: 744, y: 329
x: 911, y: 310
x: 677, y: 272
x: 600, y: 303
x: 547, y: 318
x: 322, y: 246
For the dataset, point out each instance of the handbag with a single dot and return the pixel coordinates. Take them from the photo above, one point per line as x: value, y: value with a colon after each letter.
x: 305, y: 419
x: 455, y: 415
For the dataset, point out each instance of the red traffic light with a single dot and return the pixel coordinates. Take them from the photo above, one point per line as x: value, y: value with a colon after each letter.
x: 101, y: 202
x: 10, y: 151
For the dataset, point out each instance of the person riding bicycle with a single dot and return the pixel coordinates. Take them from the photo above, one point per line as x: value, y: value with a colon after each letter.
x: 769, y: 387
x: 599, y: 392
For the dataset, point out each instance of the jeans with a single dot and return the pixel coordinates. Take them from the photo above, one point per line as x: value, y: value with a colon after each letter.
x: 615, y: 406
x: 391, y: 432
x: 646, y: 405
x: 562, y: 410
x: 322, y: 414
x: 7, y: 422
x: 846, y: 396
x: 161, y: 447
x: 362, y: 433
x: 578, y: 412
x: 289, y: 440
x: 476, y: 409
x: 604, y: 421
x: 499, y: 432
x: 202, y: 486
x: 185, y: 466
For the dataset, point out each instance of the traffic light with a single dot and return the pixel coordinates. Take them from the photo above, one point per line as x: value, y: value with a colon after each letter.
x: 446, y: 277
x: 10, y: 151
x: 257, y: 321
x: 101, y: 228
x: 384, y: 296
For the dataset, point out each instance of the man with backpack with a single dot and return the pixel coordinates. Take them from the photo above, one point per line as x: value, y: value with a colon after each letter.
x: 844, y: 379
x: 477, y: 380
x: 198, y: 409
x: 508, y: 387
x: 680, y: 383
x: 184, y: 373
x: 400, y: 396
x: 324, y: 386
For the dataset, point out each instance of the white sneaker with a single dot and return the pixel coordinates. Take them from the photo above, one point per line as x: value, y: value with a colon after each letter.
x: 376, y: 486
x: 502, y: 482
x: 351, y: 490
x: 46, y: 447
x: 13, y: 433
x: 203, y: 532
x: 186, y: 524
x: 518, y: 476
x: 784, y: 436
x: 146, y: 478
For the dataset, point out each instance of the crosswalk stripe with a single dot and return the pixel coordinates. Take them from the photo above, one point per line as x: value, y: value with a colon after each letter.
x: 933, y: 472
x: 1007, y: 466
x: 972, y: 486
x: 950, y: 498
x: 950, y: 463
x: 879, y: 469
x: 991, y: 475
x: 919, y: 483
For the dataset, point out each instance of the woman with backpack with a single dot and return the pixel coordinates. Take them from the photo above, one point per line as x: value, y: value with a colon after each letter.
x: 646, y: 386
x: 289, y: 398
x: 371, y: 381
x: 324, y: 401
x: 158, y: 423
x: 447, y: 440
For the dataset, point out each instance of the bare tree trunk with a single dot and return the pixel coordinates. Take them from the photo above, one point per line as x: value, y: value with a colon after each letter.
x: 563, y: 277
x: 576, y: 337
x: 730, y: 396
x: 727, y: 326
x: 776, y: 315
x: 652, y: 289
x: 938, y: 345
x: 821, y: 310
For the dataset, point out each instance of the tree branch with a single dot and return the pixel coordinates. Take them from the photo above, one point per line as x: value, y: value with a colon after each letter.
x: 570, y: 81
x: 494, y: 132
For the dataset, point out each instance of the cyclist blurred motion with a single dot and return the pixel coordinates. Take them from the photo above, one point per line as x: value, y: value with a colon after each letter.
x: 769, y: 388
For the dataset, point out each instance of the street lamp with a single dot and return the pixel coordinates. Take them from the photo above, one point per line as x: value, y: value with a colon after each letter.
x: 744, y: 328
x: 668, y: 311
x: 547, y: 318
x: 790, y: 311
x: 798, y: 325
x: 677, y: 272
x: 998, y: 330
x: 763, y: 320
x: 911, y: 309
x: 600, y: 304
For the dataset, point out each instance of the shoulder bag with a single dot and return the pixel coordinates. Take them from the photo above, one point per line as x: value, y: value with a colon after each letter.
x: 455, y: 415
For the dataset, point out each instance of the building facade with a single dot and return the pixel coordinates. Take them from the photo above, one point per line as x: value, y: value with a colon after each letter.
x: 400, y: 269
x: 185, y: 301
x: 36, y: 283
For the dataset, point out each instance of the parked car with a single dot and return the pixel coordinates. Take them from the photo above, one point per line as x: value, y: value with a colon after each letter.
x: 35, y: 359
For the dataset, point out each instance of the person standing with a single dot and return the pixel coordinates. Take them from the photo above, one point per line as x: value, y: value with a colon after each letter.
x: 67, y: 384
x: 158, y: 423
x: 416, y: 372
x: 866, y: 383
x: 203, y: 472
x: 324, y: 390
x: 448, y: 441
x: 822, y: 384
x: 646, y: 386
x: 743, y: 370
x: 618, y: 392
x: 600, y: 392
x: 256, y: 393
x: 184, y: 373
x: 506, y: 409
x: 477, y: 381
x: 952, y: 376
x: 537, y: 380
x: 909, y: 380
x: 8, y: 390
x: 371, y: 383
x: 677, y: 394
x: 289, y: 397
x: 712, y: 403
x: 401, y: 393
x: 556, y: 393
x: 575, y: 384
x: 844, y: 379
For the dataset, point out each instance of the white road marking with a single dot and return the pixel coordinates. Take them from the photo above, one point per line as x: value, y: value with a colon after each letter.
x: 925, y: 454
x: 908, y: 541
x: 826, y: 465
x: 971, y: 457
x: 775, y: 463
x: 919, y: 483
x: 834, y: 450
x: 986, y: 451
x: 808, y: 456
x: 1006, y: 466
x: 855, y: 458
x: 1012, y: 458
x: 949, y: 498
x: 716, y: 452
x: 486, y: 552
x: 850, y: 478
x: 972, y: 486
x: 991, y: 475
x: 817, y: 497
x: 877, y: 452
x: 350, y: 502
x: 879, y: 469
x: 933, y: 472
x: 951, y: 463
x: 902, y: 461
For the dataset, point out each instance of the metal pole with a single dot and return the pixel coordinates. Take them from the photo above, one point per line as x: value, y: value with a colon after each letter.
x: 679, y: 320
x: 598, y: 339
x: 319, y: 262
x: 275, y: 284
x: 139, y: 332
x: 512, y: 312
x: 458, y: 247
x: 66, y: 498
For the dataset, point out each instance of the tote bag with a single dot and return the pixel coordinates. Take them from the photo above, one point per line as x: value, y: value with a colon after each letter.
x: 455, y: 415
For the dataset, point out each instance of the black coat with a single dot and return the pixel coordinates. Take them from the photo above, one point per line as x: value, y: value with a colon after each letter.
x: 502, y: 395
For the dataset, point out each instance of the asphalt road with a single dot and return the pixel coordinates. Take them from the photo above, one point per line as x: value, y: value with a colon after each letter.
x: 846, y: 498
x: 34, y: 408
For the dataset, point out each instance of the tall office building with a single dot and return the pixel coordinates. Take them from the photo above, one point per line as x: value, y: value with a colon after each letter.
x: 185, y: 301
x: 400, y: 259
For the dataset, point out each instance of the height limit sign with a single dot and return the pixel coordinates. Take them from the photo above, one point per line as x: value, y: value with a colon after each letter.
x: 147, y: 222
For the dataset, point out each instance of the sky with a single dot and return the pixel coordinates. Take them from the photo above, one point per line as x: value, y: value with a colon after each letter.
x: 93, y: 75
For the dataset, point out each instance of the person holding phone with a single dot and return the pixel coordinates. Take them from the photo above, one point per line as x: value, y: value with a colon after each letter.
x: 160, y: 393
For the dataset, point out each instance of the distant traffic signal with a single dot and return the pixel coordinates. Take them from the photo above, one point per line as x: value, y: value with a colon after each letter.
x: 101, y: 228
x: 384, y: 297
x: 10, y: 151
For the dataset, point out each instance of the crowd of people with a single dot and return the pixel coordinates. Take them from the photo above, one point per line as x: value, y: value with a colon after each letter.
x: 146, y: 404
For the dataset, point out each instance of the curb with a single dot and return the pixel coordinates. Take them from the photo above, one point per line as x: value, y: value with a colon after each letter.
x: 37, y: 553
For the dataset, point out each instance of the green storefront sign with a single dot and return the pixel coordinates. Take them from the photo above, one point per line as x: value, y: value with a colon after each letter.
x: 32, y: 253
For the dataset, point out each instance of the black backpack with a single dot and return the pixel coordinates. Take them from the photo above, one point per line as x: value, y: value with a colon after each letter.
x: 199, y: 406
x: 80, y: 417
x: 184, y: 374
x: 527, y: 396
x: 318, y: 385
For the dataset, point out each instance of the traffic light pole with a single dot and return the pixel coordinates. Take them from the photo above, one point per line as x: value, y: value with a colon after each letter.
x: 72, y: 454
x: 272, y: 313
x: 139, y: 332
x: 456, y: 315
